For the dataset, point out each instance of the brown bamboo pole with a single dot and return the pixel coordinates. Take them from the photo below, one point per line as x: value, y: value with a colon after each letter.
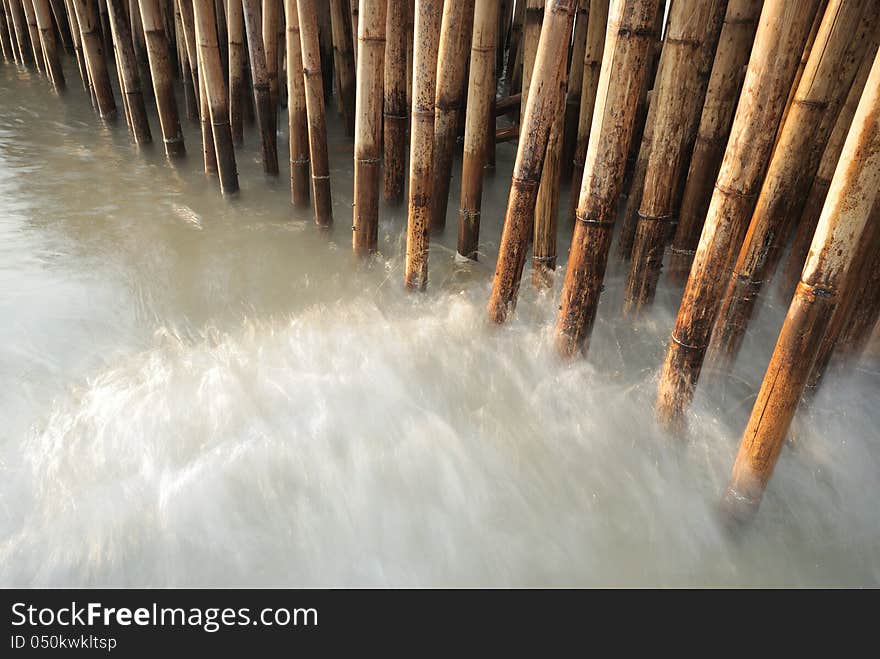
x: 262, y: 100
x: 128, y: 69
x: 75, y: 37
x: 354, y: 11
x: 452, y: 65
x: 43, y: 14
x: 93, y: 52
x: 314, y: 87
x: 192, y: 87
x: 782, y: 32
x: 624, y: 65
x: 185, y: 72
x: 689, y: 46
x: 395, y: 110
x: 410, y: 37
x: 428, y: 15
x: 534, y: 17
x: 34, y: 35
x: 514, y: 49
x: 10, y: 27
x: 854, y: 190
x: 5, y: 42
x: 728, y: 72
x: 343, y: 58
x: 140, y: 45
x: 573, y: 89
x: 59, y: 13
x: 19, y: 28
x: 481, y: 93
x: 271, y: 20
x: 825, y: 82
x: 791, y: 273
x: 237, y: 64
x: 596, y: 27
x: 209, y: 155
x: 325, y: 41
x: 541, y: 109
x: 297, y: 113
x: 505, y: 17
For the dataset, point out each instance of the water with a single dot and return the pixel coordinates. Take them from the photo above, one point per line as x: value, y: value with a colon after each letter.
x: 199, y: 390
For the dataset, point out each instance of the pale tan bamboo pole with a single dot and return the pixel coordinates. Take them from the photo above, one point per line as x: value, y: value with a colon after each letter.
x: 481, y: 94
x: 368, y: 125
x: 10, y: 27
x: 573, y: 89
x: 354, y: 11
x: 235, y: 48
x: 192, y: 88
x: 541, y: 108
x: 43, y: 14
x: 314, y: 87
x: 514, y: 49
x: 854, y: 190
x: 185, y: 71
x: 297, y: 113
x: 131, y: 83
x: 271, y: 18
x: 34, y: 35
x: 624, y: 66
x: 825, y: 82
x: 596, y: 27
x: 410, y: 37
x: 209, y: 154
x: 728, y: 72
x: 262, y: 100
x: 93, y: 51
x: 343, y: 59
x: 782, y: 32
x: 395, y: 109
x: 158, y: 52
x: 19, y: 28
x: 532, y: 21
x: 865, y: 313
x: 75, y: 37
x: 5, y: 42
x: 689, y: 47
x: 452, y: 64
x: 140, y: 45
x: 428, y: 15
x: 214, y: 80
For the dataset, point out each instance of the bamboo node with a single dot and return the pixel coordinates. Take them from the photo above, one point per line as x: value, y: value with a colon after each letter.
x: 733, y: 191
x: 694, y: 43
x: 524, y: 183
x: 300, y: 161
x: 811, y: 104
x: 317, y: 177
x: 368, y: 37
x: 543, y: 259
x: 686, y: 252
x: 468, y: 213
x: 593, y: 221
x: 369, y: 161
x: 816, y: 291
x: 685, y: 345
x: 657, y: 218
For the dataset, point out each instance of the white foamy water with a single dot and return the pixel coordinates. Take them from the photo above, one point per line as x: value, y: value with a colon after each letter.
x: 200, y: 390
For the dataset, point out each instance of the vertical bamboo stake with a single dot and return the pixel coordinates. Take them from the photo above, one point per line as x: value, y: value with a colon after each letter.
x: 59, y: 13
x: 297, y: 114
x: 271, y: 19
x: 163, y: 81
x: 541, y: 108
x: 209, y: 154
x: 505, y: 16
x: 428, y: 16
x: 43, y: 14
x: 131, y: 83
x: 782, y: 32
x: 10, y: 27
x: 532, y: 21
x: 314, y: 87
x: 410, y: 37
x: 213, y: 79
x: 514, y: 50
x: 34, y: 35
x: 328, y: 65
x: 19, y: 27
x: 452, y: 56
x: 262, y: 99
x: 344, y: 60
x: 624, y: 66
x: 854, y: 190
x: 191, y: 79
x: 354, y: 10
x: 75, y: 37
x: 93, y: 51
x: 596, y: 26
x: 235, y: 37
x: 825, y: 82
x: 5, y: 42
x: 728, y: 72
x: 864, y: 315
x: 690, y: 43
x: 395, y: 115
x: 140, y: 44
x: 573, y: 90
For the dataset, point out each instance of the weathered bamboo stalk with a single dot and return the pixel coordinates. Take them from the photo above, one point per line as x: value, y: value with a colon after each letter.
x: 43, y: 14
x: 410, y: 38
x: 314, y: 88
x: 76, y: 38
x: 19, y: 28
x: 271, y: 20
x: 59, y: 13
x: 325, y: 41
x: 235, y: 48
x: 297, y: 113
x: 140, y: 45
x: 573, y: 90
x: 158, y: 52
x: 93, y: 52
x: 856, y: 333
x: 10, y: 29
x: 209, y: 154
x: 514, y: 49
x: 854, y: 190
x: 354, y: 11
x: 596, y: 27
x: 428, y: 15
x: 344, y: 59
x: 452, y: 65
x: 728, y: 72
x: 825, y: 82
x: 265, y: 113
x: 541, y: 109
x: 534, y: 18
x: 34, y: 35
x: 624, y: 66
x: 689, y: 47
x: 505, y: 17
x: 782, y: 32
x: 192, y: 89
x: 5, y: 42
x: 131, y: 83
x: 481, y: 93
x: 395, y: 110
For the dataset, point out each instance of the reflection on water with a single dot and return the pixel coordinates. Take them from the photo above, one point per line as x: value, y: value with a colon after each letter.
x: 199, y: 390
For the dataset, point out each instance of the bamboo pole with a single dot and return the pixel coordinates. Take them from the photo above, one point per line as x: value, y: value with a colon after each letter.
x: 514, y: 49
x: 59, y: 13
x: 481, y: 93
x: 573, y: 89
x: 825, y: 82
x: 689, y: 47
x: 140, y: 45
x: 728, y: 72
x: 314, y: 88
x: 596, y: 27
x: 192, y: 87
x: 854, y: 190
x: 209, y: 155
x: 782, y: 32
x: 10, y: 28
x: 128, y: 69
x: 452, y: 65
x: 262, y: 100
x: 34, y: 35
x: 343, y: 59
x: 534, y: 17
x: 428, y: 15
x: 271, y: 19
x: 237, y: 64
x: 19, y: 27
x: 93, y: 52
x: 75, y: 37
x: 354, y: 11
x: 541, y: 109
x: 325, y: 42
x: 410, y: 37
x: 505, y: 17
x: 43, y: 14
x: 5, y: 42
x: 297, y: 113
x: 395, y: 110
